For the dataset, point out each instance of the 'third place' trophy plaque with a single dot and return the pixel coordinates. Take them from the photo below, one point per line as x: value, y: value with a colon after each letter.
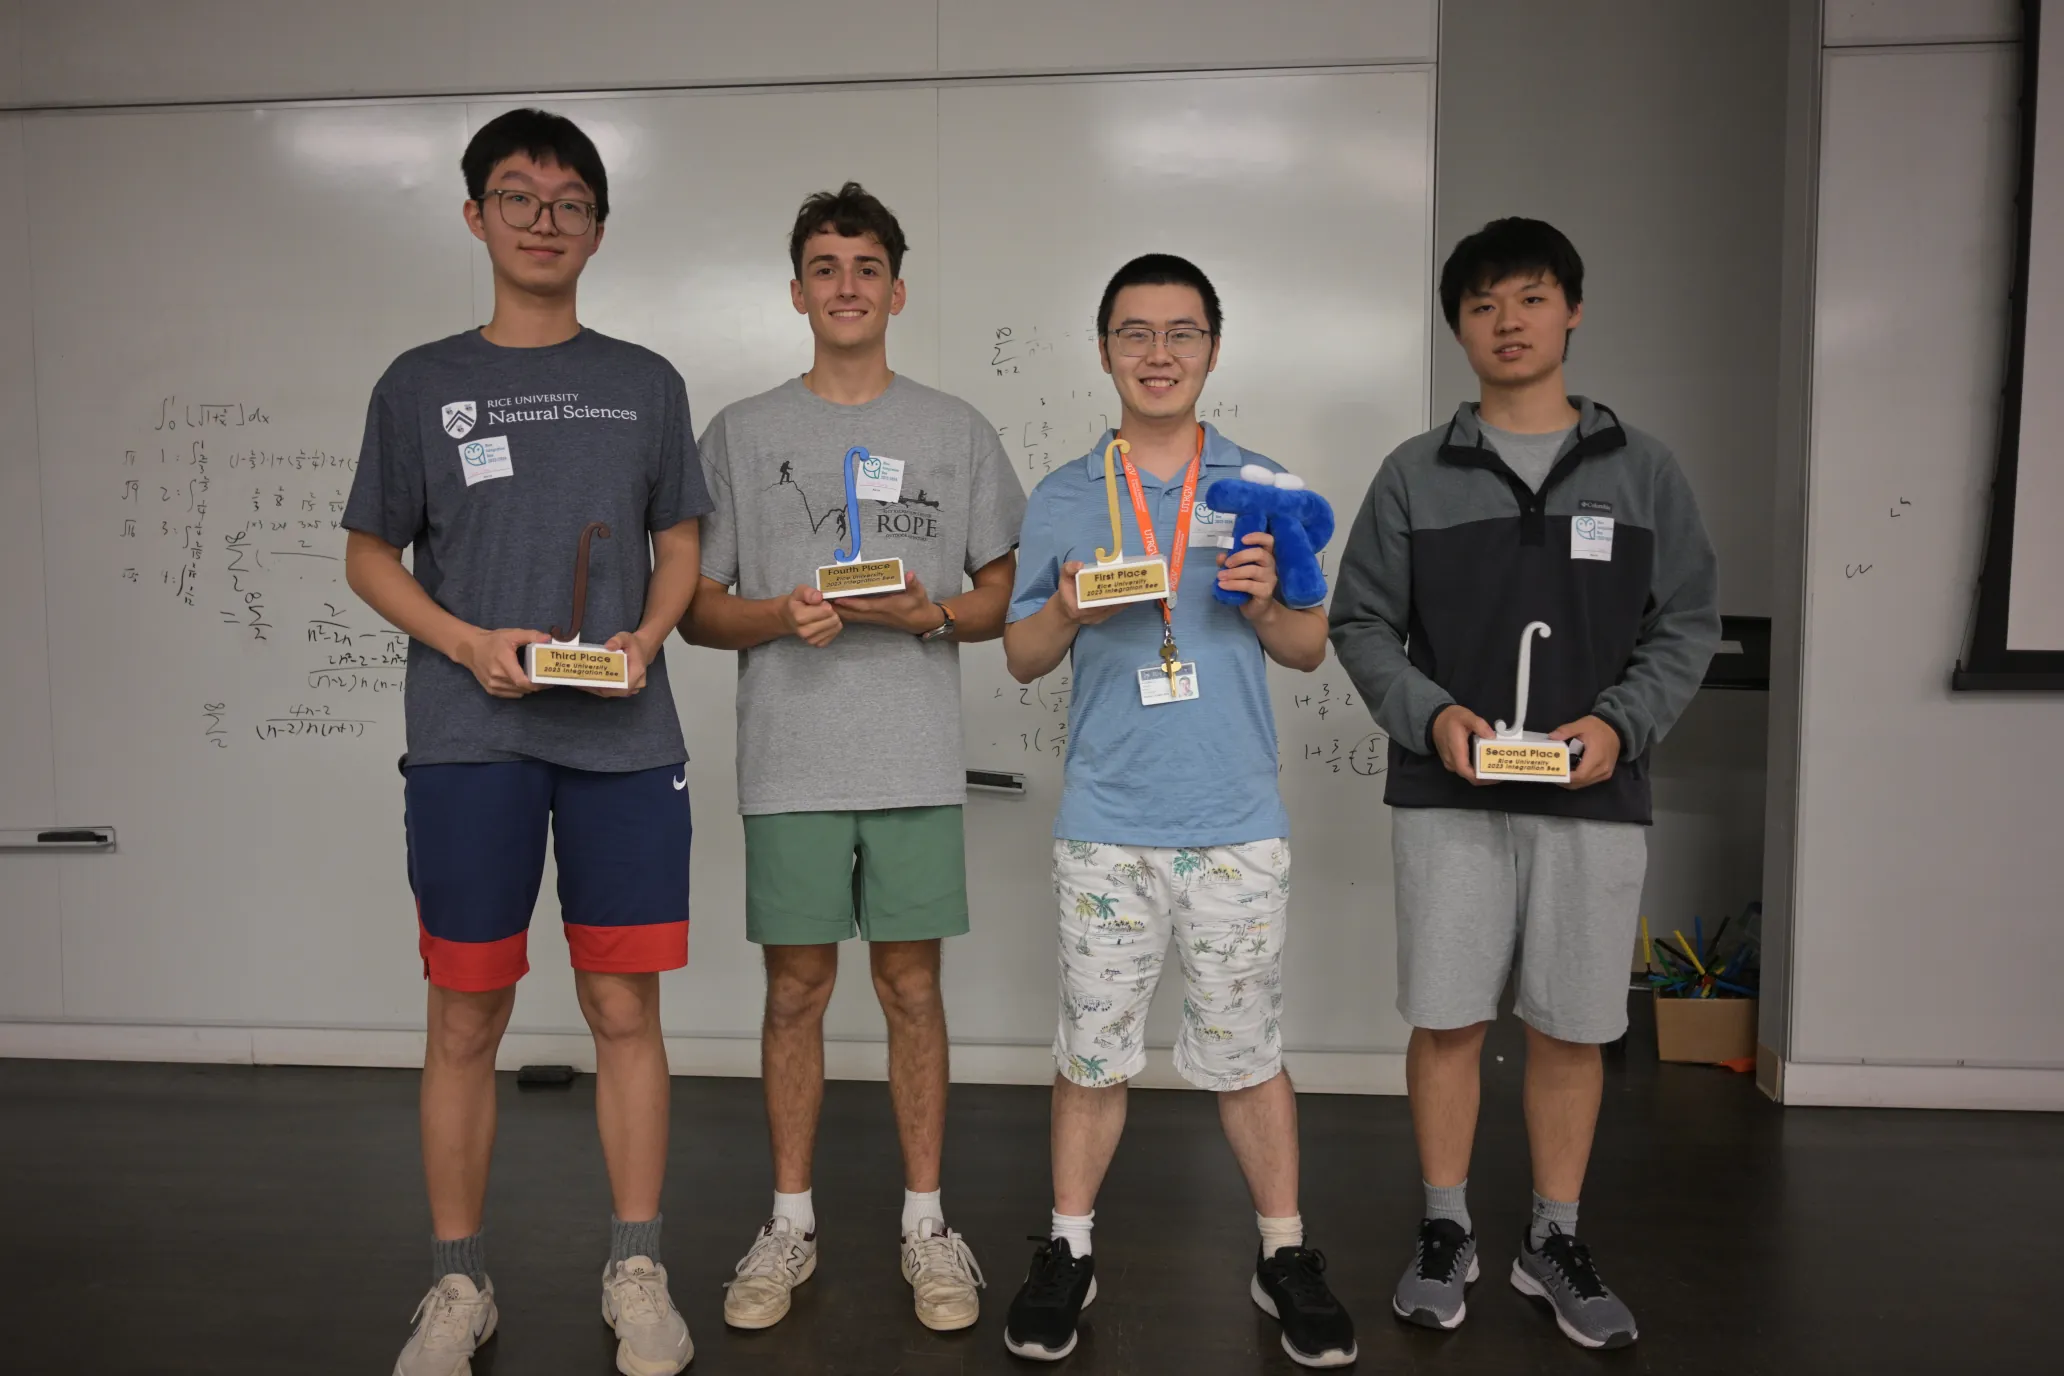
x: 1115, y: 579
x: 848, y: 575
x: 566, y: 662
x: 1516, y: 754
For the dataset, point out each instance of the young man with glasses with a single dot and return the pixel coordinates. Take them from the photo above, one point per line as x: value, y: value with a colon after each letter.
x: 1171, y: 824
x: 1530, y: 504
x: 492, y: 452
x: 849, y: 744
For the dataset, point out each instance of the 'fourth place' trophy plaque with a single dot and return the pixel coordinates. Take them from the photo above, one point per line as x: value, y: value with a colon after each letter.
x: 566, y: 662
x: 848, y: 575
x: 1516, y: 754
x: 1115, y: 579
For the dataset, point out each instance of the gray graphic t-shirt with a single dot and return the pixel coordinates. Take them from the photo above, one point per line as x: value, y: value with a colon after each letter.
x: 1531, y: 456
x: 873, y: 719
x: 490, y: 461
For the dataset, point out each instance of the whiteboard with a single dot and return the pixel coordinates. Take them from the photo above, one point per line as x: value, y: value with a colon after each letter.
x: 219, y: 697
x: 1922, y: 894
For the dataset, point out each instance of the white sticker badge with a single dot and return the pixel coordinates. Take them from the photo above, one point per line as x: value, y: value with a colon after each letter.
x: 484, y: 459
x: 1211, y: 529
x: 1590, y: 537
x: 879, y: 479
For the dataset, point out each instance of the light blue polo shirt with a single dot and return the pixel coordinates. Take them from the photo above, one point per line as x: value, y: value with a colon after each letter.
x: 1197, y: 773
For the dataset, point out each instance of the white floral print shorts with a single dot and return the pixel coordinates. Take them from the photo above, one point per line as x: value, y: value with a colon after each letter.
x: 1224, y: 907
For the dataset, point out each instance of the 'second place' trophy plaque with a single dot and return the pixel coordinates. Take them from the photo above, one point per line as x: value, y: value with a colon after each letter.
x: 1115, y: 579
x: 848, y: 575
x: 567, y: 663
x: 1516, y: 754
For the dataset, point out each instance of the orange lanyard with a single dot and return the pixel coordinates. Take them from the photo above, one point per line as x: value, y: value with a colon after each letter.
x: 1181, y: 543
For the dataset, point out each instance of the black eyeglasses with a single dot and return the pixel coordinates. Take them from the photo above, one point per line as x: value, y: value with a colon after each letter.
x: 521, y: 210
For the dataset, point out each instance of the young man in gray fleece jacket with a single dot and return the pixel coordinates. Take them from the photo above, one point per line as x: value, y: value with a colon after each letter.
x: 1528, y: 505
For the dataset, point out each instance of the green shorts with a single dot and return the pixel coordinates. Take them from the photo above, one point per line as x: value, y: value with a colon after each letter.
x: 896, y: 874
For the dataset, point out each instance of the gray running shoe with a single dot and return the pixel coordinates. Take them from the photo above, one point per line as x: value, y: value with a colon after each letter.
x: 1562, y: 1277
x: 1442, y: 1270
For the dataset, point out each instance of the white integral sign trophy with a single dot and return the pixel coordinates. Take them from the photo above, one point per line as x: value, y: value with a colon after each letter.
x: 1516, y: 754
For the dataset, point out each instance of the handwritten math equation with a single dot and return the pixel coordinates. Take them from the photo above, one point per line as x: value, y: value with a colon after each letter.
x: 220, y: 518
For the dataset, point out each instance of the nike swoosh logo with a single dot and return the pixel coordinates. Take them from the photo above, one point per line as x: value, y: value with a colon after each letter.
x: 681, y: 782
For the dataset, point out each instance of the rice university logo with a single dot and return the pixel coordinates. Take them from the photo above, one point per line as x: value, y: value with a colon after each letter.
x: 459, y: 417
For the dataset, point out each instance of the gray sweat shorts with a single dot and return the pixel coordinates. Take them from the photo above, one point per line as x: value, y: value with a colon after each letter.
x: 1480, y: 891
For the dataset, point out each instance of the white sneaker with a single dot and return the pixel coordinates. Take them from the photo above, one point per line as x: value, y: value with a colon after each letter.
x: 943, y: 1276
x: 452, y: 1322
x: 652, y: 1337
x: 780, y: 1260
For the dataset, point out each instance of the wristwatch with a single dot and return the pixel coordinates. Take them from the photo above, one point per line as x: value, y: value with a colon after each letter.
x: 942, y: 631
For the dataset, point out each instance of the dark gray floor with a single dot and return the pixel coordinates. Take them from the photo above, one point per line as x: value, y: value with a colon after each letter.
x: 162, y: 1219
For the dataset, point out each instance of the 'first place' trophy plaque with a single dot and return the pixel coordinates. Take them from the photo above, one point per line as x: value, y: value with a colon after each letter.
x: 847, y: 575
x: 566, y: 662
x: 1115, y: 579
x: 1516, y: 754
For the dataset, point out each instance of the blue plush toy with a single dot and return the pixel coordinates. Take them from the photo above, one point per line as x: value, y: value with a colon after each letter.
x: 1300, y: 519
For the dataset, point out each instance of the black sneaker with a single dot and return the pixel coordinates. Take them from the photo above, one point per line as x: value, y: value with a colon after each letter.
x: 1057, y: 1288
x: 1291, y: 1288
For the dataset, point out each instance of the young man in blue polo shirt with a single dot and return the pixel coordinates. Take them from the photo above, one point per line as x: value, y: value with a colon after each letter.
x: 490, y: 453
x: 1171, y: 824
x: 1530, y: 504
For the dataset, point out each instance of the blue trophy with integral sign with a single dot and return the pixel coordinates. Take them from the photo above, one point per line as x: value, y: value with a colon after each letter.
x: 848, y: 575
x: 566, y: 662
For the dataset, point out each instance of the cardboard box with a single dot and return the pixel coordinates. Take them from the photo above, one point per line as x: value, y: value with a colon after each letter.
x: 1705, y: 1031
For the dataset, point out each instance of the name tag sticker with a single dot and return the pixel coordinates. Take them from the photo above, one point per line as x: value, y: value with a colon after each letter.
x: 879, y: 479
x: 1590, y: 537
x: 1212, y: 528
x: 484, y: 459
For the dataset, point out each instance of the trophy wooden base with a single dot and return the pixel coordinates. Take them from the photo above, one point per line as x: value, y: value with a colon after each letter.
x: 1127, y: 580
x: 570, y: 664
x: 1529, y: 757
x: 861, y: 579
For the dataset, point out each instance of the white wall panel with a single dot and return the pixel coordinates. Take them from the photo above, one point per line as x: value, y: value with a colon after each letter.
x: 1926, y: 897
x: 1861, y: 22
x: 30, y: 956
x: 135, y: 51
x: 10, y: 52
x: 1077, y: 35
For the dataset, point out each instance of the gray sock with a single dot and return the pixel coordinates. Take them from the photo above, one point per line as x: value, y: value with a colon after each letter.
x: 459, y: 1257
x: 1550, y: 1213
x: 627, y: 1240
x: 1449, y: 1201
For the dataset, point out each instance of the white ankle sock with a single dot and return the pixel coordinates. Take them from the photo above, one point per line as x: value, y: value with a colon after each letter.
x: 1075, y: 1230
x: 797, y: 1209
x: 919, y: 1207
x: 1280, y: 1232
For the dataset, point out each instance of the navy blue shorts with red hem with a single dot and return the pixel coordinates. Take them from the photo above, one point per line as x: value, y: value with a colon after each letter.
x: 476, y: 859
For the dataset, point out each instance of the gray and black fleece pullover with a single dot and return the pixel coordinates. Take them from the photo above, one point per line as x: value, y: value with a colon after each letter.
x: 1452, y: 554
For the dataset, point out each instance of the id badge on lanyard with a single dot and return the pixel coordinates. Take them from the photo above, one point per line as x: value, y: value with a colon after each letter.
x: 1173, y: 679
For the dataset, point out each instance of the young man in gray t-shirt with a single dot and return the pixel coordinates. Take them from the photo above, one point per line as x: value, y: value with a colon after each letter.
x: 490, y: 454
x: 849, y: 747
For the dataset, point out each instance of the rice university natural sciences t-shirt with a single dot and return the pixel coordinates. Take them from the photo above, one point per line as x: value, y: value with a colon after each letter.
x: 873, y: 719
x: 490, y: 461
